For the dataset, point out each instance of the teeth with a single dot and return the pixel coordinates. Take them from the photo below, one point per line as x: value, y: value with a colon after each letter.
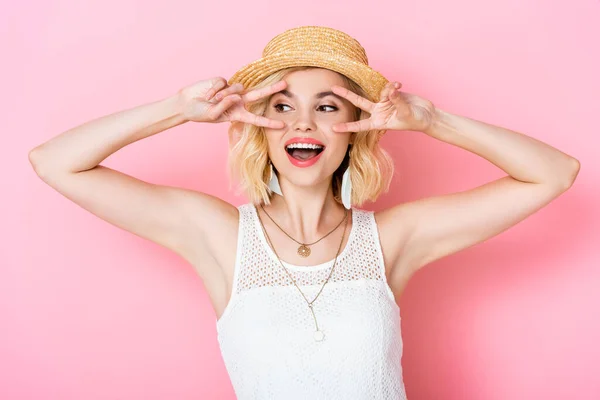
x: 304, y: 146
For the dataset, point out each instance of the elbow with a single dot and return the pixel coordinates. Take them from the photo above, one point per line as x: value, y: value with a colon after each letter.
x: 36, y: 159
x: 570, y: 174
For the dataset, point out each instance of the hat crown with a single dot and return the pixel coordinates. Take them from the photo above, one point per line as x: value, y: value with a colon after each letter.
x: 310, y: 39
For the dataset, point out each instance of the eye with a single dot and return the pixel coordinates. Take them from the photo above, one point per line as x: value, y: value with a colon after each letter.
x: 326, y: 105
x: 277, y: 107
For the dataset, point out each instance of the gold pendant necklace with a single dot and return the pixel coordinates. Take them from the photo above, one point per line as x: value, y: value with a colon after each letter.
x: 318, y: 335
x: 303, y: 249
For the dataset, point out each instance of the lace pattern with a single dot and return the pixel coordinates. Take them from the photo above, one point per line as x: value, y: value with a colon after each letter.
x: 265, y: 332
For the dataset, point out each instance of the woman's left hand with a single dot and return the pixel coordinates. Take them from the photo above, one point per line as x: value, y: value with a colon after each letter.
x: 395, y: 110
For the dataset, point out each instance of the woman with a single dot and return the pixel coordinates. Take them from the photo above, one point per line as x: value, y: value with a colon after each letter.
x: 304, y: 284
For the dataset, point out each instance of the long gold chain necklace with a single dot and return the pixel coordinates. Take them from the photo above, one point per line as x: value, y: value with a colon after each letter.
x: 318, y: 335
x: 304, y: 249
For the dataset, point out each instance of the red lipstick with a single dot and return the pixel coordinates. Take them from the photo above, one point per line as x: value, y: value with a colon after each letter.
x: 309, y: 162
x: 304, y: 140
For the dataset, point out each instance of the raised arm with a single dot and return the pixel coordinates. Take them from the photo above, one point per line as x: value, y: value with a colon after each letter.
x: 441, y: 225
x: 422, y: 231
x: 172, y: 217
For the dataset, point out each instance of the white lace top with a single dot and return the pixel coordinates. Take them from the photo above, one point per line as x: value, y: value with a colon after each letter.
x: 266, y: 331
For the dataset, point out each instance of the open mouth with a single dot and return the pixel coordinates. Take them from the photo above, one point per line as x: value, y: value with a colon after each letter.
x: 304, y: 151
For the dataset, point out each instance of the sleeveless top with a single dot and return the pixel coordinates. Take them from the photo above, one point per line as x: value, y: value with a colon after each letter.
x: 265, y: 333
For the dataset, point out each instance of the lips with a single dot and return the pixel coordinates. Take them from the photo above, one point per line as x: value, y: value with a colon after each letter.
x: 303, y: 140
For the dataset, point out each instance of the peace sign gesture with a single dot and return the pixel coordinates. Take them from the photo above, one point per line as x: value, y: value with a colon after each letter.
x: 211, y: 100
x: 395, y: 110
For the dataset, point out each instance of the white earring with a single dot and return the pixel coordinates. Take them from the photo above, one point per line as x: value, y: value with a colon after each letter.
x: 274, y: 182
x: 347, y: 189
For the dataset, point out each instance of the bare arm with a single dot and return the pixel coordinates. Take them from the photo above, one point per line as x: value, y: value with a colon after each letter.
x: 441, y: 225
x: 172, y: 217
x: 422, y: 231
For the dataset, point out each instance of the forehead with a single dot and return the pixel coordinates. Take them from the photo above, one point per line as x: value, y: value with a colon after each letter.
x: 314, y: 79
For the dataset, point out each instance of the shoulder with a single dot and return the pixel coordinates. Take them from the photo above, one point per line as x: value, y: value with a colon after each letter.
x: 394, y: 227
x: 213, y: 228
x: 219, y: 225
x: 211, y: 215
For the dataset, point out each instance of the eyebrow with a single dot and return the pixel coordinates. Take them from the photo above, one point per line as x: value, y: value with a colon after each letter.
x: 319, y: 95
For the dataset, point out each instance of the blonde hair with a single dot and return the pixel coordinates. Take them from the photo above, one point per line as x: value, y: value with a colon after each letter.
x: 371, y: 166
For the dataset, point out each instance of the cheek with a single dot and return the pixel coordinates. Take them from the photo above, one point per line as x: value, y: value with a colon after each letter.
x: 338, y: 117
x: 269, y: 113
x: 274, y: 140
x: 338, y: 148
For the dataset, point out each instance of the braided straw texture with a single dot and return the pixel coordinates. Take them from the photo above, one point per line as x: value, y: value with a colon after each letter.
x: 315, y: 46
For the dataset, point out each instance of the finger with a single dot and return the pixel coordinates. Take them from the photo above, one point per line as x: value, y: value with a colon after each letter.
x: 259, y: 120
x: 355, y: 126
x: 353, y: 98
x: 235, y: 88
x: 386, y: 91
x: 217, y: 84
x: 218, y: 109
x: 396, y: 98
x: 256, y: 94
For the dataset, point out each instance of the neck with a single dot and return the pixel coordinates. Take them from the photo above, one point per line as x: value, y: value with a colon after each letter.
x: 305, y: 213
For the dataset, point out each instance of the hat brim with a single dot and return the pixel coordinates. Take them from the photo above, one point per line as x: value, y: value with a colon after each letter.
x: 371, y: 81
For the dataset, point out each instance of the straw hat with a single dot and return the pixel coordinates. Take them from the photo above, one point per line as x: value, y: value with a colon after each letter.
x: 316, y: 46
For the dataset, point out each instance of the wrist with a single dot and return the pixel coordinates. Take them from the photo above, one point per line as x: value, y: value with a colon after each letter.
x: 175, y: 107
x: 437, y: 120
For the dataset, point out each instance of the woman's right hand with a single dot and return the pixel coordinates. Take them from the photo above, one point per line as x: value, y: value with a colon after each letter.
x: 213, y: 101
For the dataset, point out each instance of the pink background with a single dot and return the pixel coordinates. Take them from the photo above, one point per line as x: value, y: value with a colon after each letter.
x: 88, y: 311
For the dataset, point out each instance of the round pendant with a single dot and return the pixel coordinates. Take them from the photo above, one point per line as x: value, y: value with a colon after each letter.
x: 318, y: 335
x: 303, y: 251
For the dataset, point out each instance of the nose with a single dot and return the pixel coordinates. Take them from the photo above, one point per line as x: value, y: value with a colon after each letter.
x: 304, y: 121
